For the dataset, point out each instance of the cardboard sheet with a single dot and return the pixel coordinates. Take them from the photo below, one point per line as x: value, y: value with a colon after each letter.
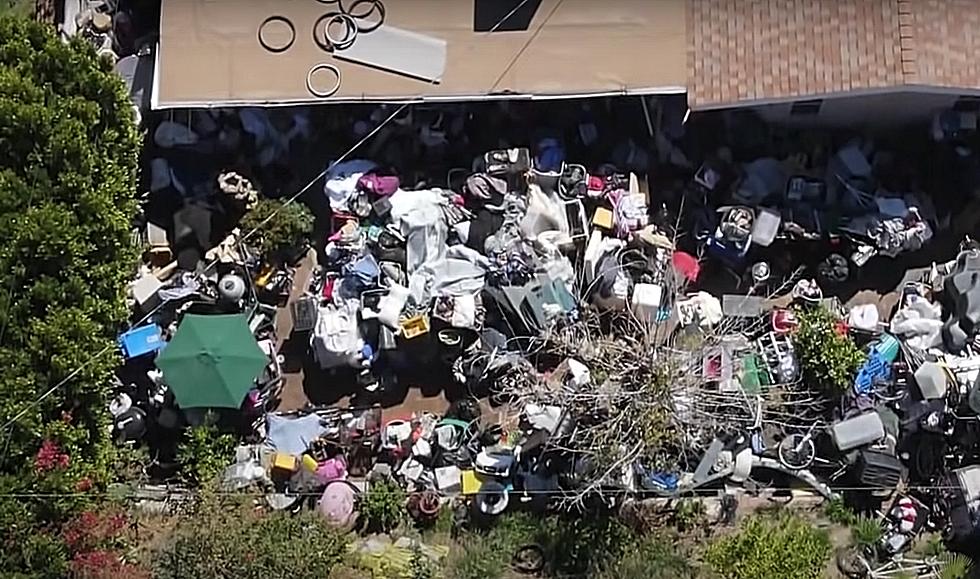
x: 209, y: 54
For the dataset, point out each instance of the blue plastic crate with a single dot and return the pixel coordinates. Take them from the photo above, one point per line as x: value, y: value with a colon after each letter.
x: 141, y: 341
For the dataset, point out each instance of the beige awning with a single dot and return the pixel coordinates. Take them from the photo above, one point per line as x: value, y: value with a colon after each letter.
x: 209, y: 54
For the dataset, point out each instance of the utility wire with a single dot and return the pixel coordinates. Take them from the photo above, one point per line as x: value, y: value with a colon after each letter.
x: 263, y: 223
x: 168, y: 493
x: 509, y: 14
x: 520, y: 52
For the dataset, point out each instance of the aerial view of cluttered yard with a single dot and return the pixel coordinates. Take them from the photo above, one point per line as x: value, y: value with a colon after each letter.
x: 471, y: 290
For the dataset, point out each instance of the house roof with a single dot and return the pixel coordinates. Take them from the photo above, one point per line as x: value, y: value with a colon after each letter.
x: 751, y: 50
x: 209, y: 54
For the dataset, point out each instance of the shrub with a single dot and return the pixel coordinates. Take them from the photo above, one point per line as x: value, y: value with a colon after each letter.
x: 229, y: 539
x: 105, y: 564
x: 382, y: 507
x: 290, y: 227
x: 829, y: 361
x: 688, y: 515
x: 204, y: 453
x: 866, y: 531
x: 956, y: 566
x: 839, y: 513
x: 95, y: 530
x: 576, y: 545
x: 771, y: 546
x: 487, y: 555
x: 654, y: 557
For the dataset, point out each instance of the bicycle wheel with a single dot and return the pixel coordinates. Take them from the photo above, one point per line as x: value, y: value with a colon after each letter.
x: 796, y: 451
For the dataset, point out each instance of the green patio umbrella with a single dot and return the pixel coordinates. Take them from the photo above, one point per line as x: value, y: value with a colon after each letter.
x: 212, y: 361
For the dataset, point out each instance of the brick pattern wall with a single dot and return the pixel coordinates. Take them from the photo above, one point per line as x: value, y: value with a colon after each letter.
x: 945, y: 46
x: 743, y: 50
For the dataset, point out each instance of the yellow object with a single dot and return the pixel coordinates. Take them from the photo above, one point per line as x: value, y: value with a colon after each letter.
x: 603, y: 218
x: 284, y: 461
x: 265, y: 274
x: 471, y: 482
x: 309, y: 463
x: 414, y: 326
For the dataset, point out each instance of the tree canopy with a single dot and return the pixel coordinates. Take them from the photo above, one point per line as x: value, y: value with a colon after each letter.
x: 68, y: 160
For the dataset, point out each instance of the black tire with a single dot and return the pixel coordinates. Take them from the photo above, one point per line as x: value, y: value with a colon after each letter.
x: 851, y: 562
x: 529, y: 559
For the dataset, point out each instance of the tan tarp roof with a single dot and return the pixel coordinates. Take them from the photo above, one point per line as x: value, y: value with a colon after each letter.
x: 209, y: 54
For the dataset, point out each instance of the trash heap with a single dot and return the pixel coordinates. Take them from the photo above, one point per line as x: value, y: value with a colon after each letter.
x: 852, y: 196
x: 558, y: 293
x: 508, y: 251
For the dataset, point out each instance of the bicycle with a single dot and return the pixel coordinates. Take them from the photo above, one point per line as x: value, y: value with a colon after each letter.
x: 798, y: 451
x: 862, y: 563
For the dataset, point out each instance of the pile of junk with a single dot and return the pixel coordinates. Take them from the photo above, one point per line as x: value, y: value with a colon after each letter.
x: 197, y: 300
x: 843, y: 205
x: 435, y: 278
x: 722, y: 404
x: 327, y: 458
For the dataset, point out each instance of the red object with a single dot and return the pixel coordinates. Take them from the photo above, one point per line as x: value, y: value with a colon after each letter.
x: 841, y: 328
x: 50, y: 457
x: 784, y: 321
x: 596, y: 183
x: 687, y: 265
x: 327, y: 292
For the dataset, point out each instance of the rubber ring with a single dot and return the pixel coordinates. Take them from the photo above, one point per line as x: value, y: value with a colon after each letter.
x: 277, y: 49
x: 348, y: 38
x: 376, y: 5
x: 316, y: 27
x: 324, y: 41
x: 309, y: 80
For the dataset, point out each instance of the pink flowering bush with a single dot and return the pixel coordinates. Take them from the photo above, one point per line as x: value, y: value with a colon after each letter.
x: 94, y: 530
x: 104, y: 564
x: 50, y: 457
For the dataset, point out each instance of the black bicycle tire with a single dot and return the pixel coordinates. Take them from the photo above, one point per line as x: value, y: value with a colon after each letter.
x: 284, y: 20
x: 375, y: 5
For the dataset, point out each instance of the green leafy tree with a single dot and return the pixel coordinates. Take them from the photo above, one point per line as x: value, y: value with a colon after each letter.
x: 68, y: 159
x: 829, y: 360
x: 771, y: 546
x: 276, y: 225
